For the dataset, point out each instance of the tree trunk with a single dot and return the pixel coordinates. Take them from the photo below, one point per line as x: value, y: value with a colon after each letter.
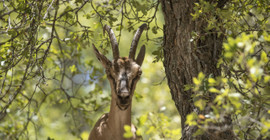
x: 184, y: 59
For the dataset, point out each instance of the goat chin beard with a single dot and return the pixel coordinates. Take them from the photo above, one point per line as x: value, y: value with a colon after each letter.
x: 122, y: 108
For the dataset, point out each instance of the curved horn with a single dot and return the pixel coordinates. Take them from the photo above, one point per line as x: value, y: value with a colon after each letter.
x: 113, y: 41
x: 135, y: 41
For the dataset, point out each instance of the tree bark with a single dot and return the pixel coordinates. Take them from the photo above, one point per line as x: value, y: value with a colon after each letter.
x: 184, y: 59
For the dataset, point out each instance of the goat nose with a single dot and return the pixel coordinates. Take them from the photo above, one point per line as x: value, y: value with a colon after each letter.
x: 123, y: 95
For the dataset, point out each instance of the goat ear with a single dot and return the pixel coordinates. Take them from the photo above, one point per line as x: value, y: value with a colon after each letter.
x: 103, y: 59
x: 140, y: 57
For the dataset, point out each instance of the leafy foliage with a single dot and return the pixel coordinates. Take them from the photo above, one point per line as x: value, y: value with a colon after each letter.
x: 242, y: 91
x: 155, y: 126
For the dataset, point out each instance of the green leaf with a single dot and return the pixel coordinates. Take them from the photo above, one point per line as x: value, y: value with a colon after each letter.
x: 200, y: 104
x: 188, y: 87
x: 234, y: 99
x: 12, y: 32
x: 142, y: 119
x: 150, y: 130
x: 73, y: 68
x: 201, y: 76
x: 214, y: 90
x: 264, y: 57
x: 266, y: 78
x: 191, y: 119
x: 196, y: 81
x: 128, y: 133
x: 211, y: 81
x: 138, y: 132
